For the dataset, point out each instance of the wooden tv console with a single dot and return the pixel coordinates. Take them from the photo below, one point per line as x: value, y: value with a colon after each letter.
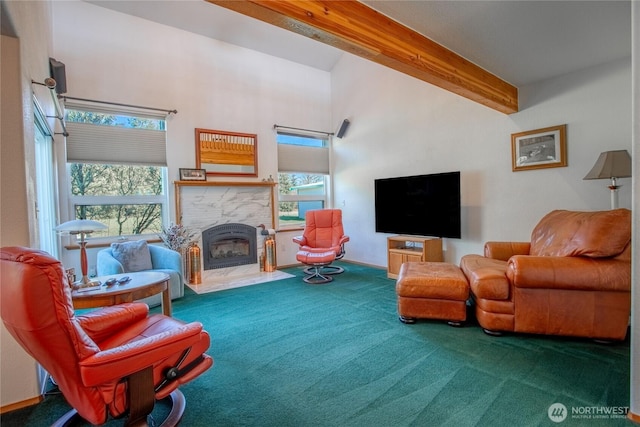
x: 411, y: 249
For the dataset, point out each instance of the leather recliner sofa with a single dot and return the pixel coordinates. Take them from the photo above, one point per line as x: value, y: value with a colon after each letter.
x: 572, y: 279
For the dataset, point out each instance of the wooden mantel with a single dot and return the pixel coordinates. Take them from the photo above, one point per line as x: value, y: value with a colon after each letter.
x: 358, y: 29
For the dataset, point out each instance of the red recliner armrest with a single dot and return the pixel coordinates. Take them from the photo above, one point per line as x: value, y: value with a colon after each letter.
x: 102, y: 323
x: 119, y: 362
x: 570, y: 273
x: 301, y: 240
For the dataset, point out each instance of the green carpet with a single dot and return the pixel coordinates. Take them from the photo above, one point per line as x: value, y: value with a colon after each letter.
x: 291, y: 354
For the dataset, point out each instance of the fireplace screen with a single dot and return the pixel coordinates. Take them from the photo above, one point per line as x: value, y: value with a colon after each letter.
x: 229, y: 245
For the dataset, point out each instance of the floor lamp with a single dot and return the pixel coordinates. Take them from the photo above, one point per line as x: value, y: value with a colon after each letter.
x: 612, y: 165
x: 82, y: 227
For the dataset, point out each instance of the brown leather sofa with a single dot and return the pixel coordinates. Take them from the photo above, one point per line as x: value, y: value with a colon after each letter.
x: 573, y: 278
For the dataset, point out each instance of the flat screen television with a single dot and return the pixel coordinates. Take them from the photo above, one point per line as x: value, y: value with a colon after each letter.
x: 421, y: 205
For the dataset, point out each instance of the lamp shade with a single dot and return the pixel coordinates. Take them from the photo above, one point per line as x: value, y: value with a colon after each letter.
x: 611, y: 164
x: 77, y: 226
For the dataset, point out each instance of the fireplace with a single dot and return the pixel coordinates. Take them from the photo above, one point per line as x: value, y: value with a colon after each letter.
x: 229, y: 245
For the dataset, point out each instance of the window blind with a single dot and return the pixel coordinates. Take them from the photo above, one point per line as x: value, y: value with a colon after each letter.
x: 93, y: 143
x: 89, y: 143
x: 302, y: 159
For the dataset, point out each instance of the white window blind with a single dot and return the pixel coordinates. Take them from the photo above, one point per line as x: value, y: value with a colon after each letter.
x: 89, y: 143
x: 298, y: 158
x: 115, y: 144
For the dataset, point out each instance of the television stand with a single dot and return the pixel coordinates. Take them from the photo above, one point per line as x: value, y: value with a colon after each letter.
x: 401, y: 249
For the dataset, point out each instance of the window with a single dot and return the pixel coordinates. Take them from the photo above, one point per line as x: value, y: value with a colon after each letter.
x: 45, y: 184
x: 116, y: 169
x: 303, y: 176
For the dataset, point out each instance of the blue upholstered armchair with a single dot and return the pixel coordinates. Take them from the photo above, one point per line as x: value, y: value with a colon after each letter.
x: 110, y: 262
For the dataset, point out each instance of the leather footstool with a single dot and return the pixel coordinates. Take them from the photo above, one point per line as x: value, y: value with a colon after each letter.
x: 432, y: 290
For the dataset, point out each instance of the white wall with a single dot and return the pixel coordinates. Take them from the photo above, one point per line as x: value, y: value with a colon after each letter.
x: 402, y: 126
x: 213, y: 85
x: 25, y: 57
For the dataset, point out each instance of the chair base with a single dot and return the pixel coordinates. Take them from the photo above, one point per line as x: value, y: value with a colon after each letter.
x: 315, y: 262
x: 325, y: 269
x: 178, y: 405
x: 315, y: 277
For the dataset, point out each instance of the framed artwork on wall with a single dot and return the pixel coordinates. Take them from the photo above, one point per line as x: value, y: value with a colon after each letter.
x: 227, y: 153
x: 539, y: 149
x: 193, y: 174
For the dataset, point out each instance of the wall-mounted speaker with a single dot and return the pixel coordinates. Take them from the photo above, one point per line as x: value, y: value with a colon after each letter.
x: 343, y: 128
x: 58, y: 73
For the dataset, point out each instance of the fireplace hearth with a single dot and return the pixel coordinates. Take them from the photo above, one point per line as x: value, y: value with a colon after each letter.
x: 229, y: 245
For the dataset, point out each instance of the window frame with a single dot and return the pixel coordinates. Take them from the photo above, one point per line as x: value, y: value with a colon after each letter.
x: 92, y: 200
x: 325, y: 198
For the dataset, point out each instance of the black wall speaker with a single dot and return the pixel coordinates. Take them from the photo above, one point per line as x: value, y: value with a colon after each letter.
x: 59, y: 75
x: 343, y: 128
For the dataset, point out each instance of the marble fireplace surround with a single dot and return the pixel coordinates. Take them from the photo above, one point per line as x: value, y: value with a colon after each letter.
x: 204, y: 204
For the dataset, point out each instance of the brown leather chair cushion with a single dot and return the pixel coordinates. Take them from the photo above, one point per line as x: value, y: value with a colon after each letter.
x: 487, y: 277
x: 591, y: 234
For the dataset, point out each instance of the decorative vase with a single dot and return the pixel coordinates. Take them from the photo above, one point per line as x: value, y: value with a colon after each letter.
x: 184, y: 253
x: 194, y: 264
x: 270, y: 255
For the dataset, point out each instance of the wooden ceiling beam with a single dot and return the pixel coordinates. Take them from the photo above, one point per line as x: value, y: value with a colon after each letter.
x: 358, y: 29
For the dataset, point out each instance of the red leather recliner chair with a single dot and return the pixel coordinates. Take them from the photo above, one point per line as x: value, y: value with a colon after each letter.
x: 114, y: 361
x: 321, y: 243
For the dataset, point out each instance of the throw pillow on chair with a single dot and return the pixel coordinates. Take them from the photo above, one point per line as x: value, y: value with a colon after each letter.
x: 134, y: 256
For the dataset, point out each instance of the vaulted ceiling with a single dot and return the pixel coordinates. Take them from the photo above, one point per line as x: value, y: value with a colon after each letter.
x: 484, y: 48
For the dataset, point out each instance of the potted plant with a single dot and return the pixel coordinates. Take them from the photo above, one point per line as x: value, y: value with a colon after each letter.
x: 176, y: 237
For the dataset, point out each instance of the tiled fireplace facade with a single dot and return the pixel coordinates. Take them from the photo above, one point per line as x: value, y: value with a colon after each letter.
x: 203, y: 207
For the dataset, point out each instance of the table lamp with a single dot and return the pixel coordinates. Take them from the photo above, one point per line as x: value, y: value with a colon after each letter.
x: 611, y: 165
x: 82, y: 227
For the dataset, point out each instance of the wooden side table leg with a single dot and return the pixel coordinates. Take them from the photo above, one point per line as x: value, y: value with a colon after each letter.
x: 166, y: 300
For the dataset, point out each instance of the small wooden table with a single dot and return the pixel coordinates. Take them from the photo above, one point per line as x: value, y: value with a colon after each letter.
x: 142, y: 284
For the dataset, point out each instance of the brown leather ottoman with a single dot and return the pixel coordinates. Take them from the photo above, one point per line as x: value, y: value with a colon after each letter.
x: 432, y: 290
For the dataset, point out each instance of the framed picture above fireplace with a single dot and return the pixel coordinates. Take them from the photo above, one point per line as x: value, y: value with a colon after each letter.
x: 227, y: 153
x: 193, y: 174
